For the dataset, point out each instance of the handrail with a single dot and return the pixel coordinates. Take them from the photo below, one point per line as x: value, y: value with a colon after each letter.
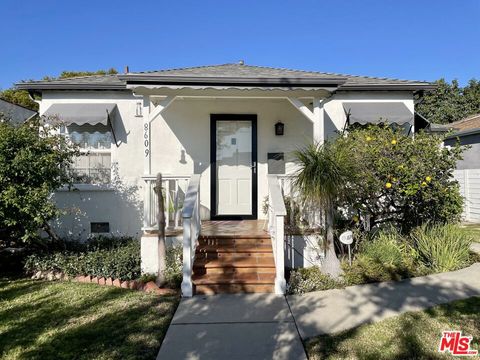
x: 192, y: 225
x: 276, y: 216
x: 191, y: 196
x: 275, y: 196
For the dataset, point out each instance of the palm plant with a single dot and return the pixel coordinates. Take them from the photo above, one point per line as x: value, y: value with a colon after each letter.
x: 322, y: 173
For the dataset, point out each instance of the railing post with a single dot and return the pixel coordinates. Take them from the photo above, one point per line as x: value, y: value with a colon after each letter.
x: 280, y: 283
x: 147, y: 205
x: 187, y: 286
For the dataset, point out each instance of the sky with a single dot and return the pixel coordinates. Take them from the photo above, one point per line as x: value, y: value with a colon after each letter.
x: 407, y: 39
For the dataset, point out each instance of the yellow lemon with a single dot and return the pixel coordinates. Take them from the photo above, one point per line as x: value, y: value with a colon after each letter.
x: 424, y: 183
x: 394, y: 142
x: 388, y: 185
x: 428, y: 178
x: 369, y: 138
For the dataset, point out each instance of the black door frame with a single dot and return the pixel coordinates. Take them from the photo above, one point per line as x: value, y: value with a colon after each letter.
x: 213, y: 166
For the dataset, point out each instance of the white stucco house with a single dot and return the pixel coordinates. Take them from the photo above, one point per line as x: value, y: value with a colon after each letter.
x: 221, y: 136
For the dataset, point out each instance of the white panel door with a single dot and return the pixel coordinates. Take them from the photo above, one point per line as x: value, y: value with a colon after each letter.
x: 234, y: 163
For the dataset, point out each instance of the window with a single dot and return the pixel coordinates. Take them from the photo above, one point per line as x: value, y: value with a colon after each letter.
x: 99, y: 227
x: 93, y: 166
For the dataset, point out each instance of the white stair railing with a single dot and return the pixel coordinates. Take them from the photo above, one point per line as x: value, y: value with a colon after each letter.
x: 192, y: 225
x: 276, y: 216
x: 175, y: 187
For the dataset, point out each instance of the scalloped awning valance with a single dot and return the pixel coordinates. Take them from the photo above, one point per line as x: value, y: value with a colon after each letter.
x: 378, y: 112
x: 82, y: 113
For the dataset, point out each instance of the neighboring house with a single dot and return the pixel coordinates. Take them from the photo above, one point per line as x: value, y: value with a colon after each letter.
x: 15, y: 113
x: 226, y: 130
x: 467, y: 132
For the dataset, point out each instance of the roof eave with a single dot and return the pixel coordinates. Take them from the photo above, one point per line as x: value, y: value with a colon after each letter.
x: 49, y: 86
x: 234, y: 81
x: 390, y: 87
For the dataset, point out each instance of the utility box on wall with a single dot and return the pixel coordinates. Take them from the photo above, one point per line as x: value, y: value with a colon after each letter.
x: 276, y: 163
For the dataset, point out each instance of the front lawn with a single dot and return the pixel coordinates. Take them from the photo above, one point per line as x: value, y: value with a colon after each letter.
x: 67, y: 320
x: 413, y: 335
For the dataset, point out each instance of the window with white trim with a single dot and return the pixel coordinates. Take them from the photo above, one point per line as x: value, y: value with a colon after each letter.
x: 94, y: 165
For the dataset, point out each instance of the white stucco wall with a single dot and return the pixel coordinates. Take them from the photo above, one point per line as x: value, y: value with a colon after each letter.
x: 180, y: 145
x: 121, y: 205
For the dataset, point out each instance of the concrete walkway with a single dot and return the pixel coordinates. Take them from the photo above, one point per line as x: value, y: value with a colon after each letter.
x: 326, y: 312
x: 243, y: 326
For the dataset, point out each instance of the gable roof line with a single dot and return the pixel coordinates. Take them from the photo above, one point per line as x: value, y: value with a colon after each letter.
x: 234, y: 73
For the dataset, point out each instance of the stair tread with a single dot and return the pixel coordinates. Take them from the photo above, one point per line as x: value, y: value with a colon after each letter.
x: 248, y: 278
x: 241, y: 248
x: 235, y: 262
x: 235, y: 236
x: 210, y: 289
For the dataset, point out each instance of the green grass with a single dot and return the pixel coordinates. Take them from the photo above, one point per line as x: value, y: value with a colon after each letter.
x: 473, y: 230
x: 67, y: 320
x: 413, y: 335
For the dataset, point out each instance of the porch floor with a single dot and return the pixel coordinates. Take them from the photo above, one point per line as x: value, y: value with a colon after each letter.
x: 237, y: 229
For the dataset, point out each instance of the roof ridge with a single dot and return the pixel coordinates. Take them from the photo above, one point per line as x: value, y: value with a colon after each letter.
x: 327, y: 73
x: 181, y: 68
x: 469, y: 117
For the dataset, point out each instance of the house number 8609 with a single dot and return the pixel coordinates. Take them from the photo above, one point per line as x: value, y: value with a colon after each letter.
x: 146, y: 142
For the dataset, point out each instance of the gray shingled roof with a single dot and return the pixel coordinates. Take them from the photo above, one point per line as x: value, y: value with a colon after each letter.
x: 15, y: 113
x: 226, y: 73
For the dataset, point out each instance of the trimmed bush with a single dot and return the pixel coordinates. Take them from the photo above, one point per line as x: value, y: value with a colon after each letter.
x: 120, y: 262
x: 173, y: 272
x: 304, y: 280
x: 117, y: 258
x: 442, y: 247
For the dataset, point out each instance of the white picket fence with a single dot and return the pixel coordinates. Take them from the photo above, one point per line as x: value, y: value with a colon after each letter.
x: 469, y: 181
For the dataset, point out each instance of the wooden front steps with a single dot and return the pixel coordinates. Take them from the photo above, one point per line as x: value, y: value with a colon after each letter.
x: 234, y: 263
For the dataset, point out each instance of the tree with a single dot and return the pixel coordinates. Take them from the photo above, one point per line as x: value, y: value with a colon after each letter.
x: 34, y: 162
x: 19, y: 97
x: 450, y: 102
x: 401, y: 180
x: 323, y: 170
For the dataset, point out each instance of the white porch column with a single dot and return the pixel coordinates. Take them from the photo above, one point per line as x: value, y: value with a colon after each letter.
x: 318, y: 121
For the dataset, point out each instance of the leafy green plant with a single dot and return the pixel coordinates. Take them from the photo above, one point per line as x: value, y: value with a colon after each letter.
x: 388, y: 256
x: 173, y: 270
x: 305, y: 280
x: 34, y: 162
x: 442, y: 247
x: 121, y: 262
x: 401, y: 180
x: 323, y: 169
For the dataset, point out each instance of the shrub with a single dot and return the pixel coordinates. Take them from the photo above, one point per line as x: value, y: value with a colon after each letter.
x: 121, y: 262
x: 304, y: 280
x: 442, y: 247
x: 399, y: 179
x: 387, y: 257
x: 173, y: 271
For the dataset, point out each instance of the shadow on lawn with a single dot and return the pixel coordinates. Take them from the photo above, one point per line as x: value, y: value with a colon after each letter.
x: 412, y: 335
x: 67, y: 321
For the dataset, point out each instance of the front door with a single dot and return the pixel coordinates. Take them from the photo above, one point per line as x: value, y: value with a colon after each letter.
x: 234, y: 166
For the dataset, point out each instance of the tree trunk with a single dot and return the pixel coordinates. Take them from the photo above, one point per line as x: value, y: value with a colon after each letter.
x: 162, y: 253
x: 331, y: 265
x: 53, y: 235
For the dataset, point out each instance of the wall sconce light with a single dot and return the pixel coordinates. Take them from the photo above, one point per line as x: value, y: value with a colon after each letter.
x: 279, y: 128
